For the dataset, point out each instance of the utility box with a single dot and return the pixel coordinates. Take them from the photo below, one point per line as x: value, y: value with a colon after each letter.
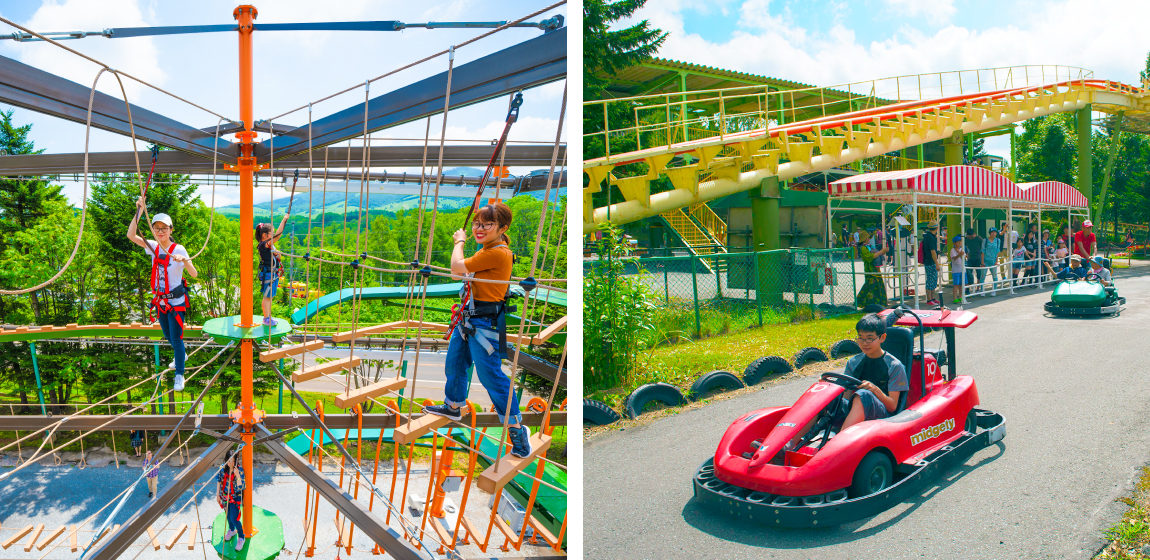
x: 512, y: 512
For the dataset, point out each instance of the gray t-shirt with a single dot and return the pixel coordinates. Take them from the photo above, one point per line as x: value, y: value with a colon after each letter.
x: 1104, y: 273
x: 867, y: 369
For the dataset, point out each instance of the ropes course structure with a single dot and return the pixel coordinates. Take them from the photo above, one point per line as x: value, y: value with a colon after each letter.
x: 421, y: 512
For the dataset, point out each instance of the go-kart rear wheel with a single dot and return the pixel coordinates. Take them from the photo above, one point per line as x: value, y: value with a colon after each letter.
x: 971, y: 422
x: 874, y: 474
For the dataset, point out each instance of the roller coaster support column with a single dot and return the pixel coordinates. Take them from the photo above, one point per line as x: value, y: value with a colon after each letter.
x: 1116, y: 137
x: 952, y: 155
x: 765, y: 237
x: 1085, y: 183
x: 246, y: 166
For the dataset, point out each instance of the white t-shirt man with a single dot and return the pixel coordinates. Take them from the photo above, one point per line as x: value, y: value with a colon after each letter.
x: 174, y: 271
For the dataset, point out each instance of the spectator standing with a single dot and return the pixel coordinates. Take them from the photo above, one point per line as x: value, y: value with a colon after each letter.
x: 930, y: 261
x: 151, y: 472
x: 991, y: 249
x: 137, y: 440
x: 974, y: 247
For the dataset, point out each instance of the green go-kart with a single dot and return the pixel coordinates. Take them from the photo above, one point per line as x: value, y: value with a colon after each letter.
x: 1074, y: 297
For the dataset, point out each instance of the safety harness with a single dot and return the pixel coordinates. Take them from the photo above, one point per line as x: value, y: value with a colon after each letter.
x: 161, y: 295
x: 462, y: 312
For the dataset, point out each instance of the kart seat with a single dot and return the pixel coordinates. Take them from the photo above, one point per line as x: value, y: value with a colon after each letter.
x: 900, y: 344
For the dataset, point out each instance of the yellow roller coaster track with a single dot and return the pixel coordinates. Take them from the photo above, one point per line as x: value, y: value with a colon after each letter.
x: 733, y: 151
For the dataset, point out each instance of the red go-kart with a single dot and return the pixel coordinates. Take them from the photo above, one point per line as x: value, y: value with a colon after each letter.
x: 833, y: 478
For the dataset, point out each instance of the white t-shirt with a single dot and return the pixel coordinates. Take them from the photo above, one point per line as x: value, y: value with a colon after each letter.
x: 1013, y: 237
x: 957, y: 262
x: 174, y: 270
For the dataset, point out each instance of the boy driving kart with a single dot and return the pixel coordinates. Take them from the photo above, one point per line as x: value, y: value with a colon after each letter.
x: 883, y: 380
x: 1076, y: 271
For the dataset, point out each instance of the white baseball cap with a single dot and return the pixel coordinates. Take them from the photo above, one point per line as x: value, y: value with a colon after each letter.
x: 1087, y: 223
x: 163, y: 219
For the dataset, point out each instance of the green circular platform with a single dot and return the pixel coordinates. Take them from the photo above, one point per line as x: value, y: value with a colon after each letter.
x: 268, y: 542
x: 225, y: 328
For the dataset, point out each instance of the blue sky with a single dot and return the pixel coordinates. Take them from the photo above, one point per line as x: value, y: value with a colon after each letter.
x: 826, y: 43
x: 291, y: 68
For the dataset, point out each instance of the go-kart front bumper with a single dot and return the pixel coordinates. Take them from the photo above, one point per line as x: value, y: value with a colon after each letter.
x: 1109, y: 309
x: 834, y: 508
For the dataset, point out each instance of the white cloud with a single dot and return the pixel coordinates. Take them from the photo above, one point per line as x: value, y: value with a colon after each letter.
x: 936, y: 11
x: 1072, y: 32
x: 137, y: 56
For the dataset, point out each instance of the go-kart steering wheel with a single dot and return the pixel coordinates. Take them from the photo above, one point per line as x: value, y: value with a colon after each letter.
x: 1092, y: 275
x: 842, y: 380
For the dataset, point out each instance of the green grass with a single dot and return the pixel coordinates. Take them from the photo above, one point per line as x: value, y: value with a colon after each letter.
x: 682, y: 364
x: 1128, y: 536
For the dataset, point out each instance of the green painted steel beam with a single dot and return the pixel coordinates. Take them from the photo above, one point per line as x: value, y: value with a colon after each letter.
x: 1114, y: 147
x: 1085, y: 178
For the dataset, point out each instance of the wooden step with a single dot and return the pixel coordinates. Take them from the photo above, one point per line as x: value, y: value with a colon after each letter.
x: 510, y: 465
x: 443, y: 532
x: 51, y: 537
x: 318, y: 370
x: 376, y: 329
x: 19, y: 535
x: 35, y: 535
x: 193, y: 536
x: 176, y: 537
x: 412, y: 430
x: 546, y: 535
x: 506, y: 530
x: 152, y: 535
x: 376, y: 389
x: 291, y: 350
x: 72, y: 538
x: 472, y: 533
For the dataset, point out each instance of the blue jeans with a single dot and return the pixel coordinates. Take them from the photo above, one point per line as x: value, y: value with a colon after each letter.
x: 235, y: 520
x: 463, y: 353
x: 172, y: 323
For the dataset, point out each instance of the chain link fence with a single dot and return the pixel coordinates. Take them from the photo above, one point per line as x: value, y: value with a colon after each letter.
x: 704, y: 295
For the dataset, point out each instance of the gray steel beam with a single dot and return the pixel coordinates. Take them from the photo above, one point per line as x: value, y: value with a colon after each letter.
x: 518, y: 155
x: 118, y: 543
x: 528, y: 64
x: 28, y: 87
x: 221, y: 422
x: 387, y: 538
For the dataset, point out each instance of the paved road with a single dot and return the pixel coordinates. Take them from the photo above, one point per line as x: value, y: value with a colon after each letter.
x: 1076, y: 403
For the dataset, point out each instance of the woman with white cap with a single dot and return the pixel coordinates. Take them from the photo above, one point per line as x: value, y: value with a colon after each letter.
x: 169, y: 291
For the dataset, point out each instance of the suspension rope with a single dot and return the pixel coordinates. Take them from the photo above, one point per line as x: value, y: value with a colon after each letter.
x: 212, y: 208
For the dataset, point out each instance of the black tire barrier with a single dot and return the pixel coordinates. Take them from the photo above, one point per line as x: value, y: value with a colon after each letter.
x: 873, y: 308
x: 714, y: 380
x: 598, y: 413
x: 759, y: 369
x: 808, y: 355
x: 845, y: 347
x: 661, y: 392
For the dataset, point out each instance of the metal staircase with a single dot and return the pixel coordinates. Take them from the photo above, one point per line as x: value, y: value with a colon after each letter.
x: 698, y: 235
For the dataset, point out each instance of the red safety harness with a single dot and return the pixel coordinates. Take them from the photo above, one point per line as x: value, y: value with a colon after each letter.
x: 161, y: 295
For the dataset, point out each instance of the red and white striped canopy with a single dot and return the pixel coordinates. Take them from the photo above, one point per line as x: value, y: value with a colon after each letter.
x: 1053, y: 192
x: 952, y: 181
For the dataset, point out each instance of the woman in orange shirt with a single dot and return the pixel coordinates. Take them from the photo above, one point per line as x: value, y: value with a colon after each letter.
x: 476, y: 340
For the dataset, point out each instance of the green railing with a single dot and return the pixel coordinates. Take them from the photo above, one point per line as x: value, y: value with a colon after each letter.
x: 704, y: 295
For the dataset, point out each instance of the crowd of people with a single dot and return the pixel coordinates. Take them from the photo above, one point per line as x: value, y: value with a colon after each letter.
x: 1026, y: 258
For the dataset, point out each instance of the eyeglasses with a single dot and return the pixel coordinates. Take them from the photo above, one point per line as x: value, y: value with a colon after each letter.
x: 483, y: 226
x: 867, y: 341
x: 162, y: 230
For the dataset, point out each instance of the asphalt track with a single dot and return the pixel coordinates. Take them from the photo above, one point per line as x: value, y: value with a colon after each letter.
x: 1075, y: 396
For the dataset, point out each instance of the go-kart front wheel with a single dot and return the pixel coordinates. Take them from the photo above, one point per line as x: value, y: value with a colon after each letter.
x: 874, y: 474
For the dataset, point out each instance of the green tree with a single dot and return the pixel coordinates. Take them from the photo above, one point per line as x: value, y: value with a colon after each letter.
x: 606, y: 51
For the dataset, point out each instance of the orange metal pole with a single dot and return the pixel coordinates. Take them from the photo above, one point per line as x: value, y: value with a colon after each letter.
x: 246, y: 164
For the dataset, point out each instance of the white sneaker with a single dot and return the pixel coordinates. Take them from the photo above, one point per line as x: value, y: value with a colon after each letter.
x: 240, y: 544
x: 179, y: 383
x: 228, y: 536
x: 172, y: 364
